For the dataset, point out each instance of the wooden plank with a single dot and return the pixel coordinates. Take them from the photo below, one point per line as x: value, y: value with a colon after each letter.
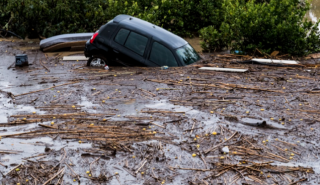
x: 44, y: 66
x: 224, y: 69
x: 75, y: 58
x: 271, y: 61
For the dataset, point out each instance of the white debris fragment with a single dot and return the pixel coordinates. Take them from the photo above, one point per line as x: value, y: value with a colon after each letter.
x: 225, y: 149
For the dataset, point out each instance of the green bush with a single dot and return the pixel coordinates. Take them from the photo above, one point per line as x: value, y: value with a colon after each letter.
x: 243, y: 25
x: 278, y: 25
x: 47, y: 17
x: 183, y: 17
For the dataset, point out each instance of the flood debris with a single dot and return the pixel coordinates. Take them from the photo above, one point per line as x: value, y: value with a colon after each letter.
x: 4, y: 33
x: 271, y: 61
x: 75, y: 58
x: 22, y: 60
x: 314, y: 56
x: 224, y: 69
x: 73, y: 124
x: 274, y: 53
x: 262, y: 124
x: 48, y: 172
x: 44, y: 89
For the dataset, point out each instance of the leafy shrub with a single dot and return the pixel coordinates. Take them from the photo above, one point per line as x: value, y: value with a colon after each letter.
x: 183, y: 17
x: 236, y: 24
x: 48, y: 18
x: 277, y: 25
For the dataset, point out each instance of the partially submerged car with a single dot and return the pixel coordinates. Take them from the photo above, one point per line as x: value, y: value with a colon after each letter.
x: 131, y: 41
x: 65, y: 42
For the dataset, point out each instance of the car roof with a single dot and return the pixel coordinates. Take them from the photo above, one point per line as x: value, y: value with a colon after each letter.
x: 144, y: 27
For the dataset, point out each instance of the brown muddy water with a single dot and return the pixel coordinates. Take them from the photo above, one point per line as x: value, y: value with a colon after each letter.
x: 314, y: 13
x: 64, y: 123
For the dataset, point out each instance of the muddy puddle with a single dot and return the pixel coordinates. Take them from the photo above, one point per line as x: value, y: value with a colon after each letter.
x: 62, y: 122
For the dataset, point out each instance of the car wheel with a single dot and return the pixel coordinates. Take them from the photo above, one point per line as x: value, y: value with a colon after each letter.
x: 97, y: 62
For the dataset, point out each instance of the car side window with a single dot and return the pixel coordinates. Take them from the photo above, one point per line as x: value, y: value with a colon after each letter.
x: 137, y: 43
x: 121, y: 37
x: 162, y: 56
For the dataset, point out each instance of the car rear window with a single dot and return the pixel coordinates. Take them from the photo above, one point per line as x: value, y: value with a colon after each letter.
x: 136, y: 43
x: 162, y: 56
x: 122, y: 35
x: 187, y: 54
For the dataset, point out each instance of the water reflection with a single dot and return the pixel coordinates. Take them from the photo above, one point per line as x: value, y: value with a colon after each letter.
x: 187, y: 54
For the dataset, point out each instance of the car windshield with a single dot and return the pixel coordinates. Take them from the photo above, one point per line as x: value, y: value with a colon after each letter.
x: 187, y: 54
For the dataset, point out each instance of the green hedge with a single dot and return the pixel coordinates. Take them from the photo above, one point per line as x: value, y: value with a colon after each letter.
x: 51, y: 17
x: 279, y: 25
x: 236, y: 24
x: 183, y: 17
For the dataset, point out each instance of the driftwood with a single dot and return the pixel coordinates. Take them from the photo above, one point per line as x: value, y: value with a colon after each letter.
x: 44, y: 66
x: 45, y: 89
x: 54, y: 176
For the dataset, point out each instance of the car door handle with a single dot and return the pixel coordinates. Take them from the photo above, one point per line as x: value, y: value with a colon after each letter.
x: 115, y: 51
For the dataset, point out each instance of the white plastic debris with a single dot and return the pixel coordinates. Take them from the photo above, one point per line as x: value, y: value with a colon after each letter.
x: 271, y: 61
x: 224, y: 69
x: 106, y: 67
x: 75, y: 58
x: 225, y: 149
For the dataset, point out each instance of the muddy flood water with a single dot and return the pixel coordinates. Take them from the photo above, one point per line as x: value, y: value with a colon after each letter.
x: 314, y: 13
x: 64, y: 123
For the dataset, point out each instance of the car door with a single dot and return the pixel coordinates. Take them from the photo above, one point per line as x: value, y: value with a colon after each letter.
x: 129, y: 47
x: 160, y: 55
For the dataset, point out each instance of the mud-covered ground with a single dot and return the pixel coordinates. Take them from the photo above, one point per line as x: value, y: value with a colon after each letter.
x: 64, y: 123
